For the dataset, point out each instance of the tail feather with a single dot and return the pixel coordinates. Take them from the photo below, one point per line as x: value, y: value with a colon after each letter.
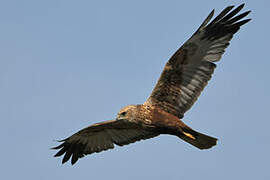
x: 198, y: 140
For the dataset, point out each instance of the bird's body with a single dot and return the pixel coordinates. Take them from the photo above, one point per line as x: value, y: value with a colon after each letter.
x: 184, y: 77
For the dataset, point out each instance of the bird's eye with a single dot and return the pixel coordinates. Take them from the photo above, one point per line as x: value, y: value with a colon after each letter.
x: 123, y: 113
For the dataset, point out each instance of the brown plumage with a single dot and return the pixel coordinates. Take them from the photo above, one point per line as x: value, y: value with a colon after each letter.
x: 184, y: 77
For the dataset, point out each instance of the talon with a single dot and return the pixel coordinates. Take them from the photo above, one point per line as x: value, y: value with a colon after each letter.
x: 189, y: 135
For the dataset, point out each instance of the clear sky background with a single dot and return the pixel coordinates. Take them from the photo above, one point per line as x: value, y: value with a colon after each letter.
x: 66, y: 64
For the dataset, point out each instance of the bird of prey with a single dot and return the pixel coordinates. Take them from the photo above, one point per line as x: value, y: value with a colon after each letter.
x: 184, y: 77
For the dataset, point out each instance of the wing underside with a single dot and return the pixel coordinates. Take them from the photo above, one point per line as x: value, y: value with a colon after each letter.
x: 188, y: 71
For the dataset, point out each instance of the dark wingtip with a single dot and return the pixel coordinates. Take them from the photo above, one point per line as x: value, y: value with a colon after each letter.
x: 57, y: 147
x: 240, y: 23
x: 248, y: 12
x: 211, y: 14
x: 229, y: 8
x: 222, y: 14
x: 66, y: 157
x: 74, y: 159
x: 56, y: 155
x: 241, y: 5
x: 60, y: 152
x: 63, y: 140
x: 246, y: 21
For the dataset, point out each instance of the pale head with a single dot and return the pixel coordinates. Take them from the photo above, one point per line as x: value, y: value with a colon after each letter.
x: 127, y: 112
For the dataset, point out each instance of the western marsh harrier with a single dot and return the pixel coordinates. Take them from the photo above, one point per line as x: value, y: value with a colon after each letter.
x: 184, y: 77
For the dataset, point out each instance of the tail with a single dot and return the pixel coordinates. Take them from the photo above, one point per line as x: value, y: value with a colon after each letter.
x: 197, y: 139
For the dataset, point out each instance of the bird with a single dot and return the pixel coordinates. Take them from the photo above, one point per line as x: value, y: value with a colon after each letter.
x: 181, y: 82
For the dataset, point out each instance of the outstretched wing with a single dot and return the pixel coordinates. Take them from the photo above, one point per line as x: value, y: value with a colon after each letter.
x: 100, y: 137
x: 187, y: 72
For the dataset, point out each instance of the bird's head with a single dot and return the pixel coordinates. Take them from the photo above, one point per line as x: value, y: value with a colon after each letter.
x: 127, y: 113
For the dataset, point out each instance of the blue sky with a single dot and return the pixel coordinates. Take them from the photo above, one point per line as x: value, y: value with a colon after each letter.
x: 67, y: 64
